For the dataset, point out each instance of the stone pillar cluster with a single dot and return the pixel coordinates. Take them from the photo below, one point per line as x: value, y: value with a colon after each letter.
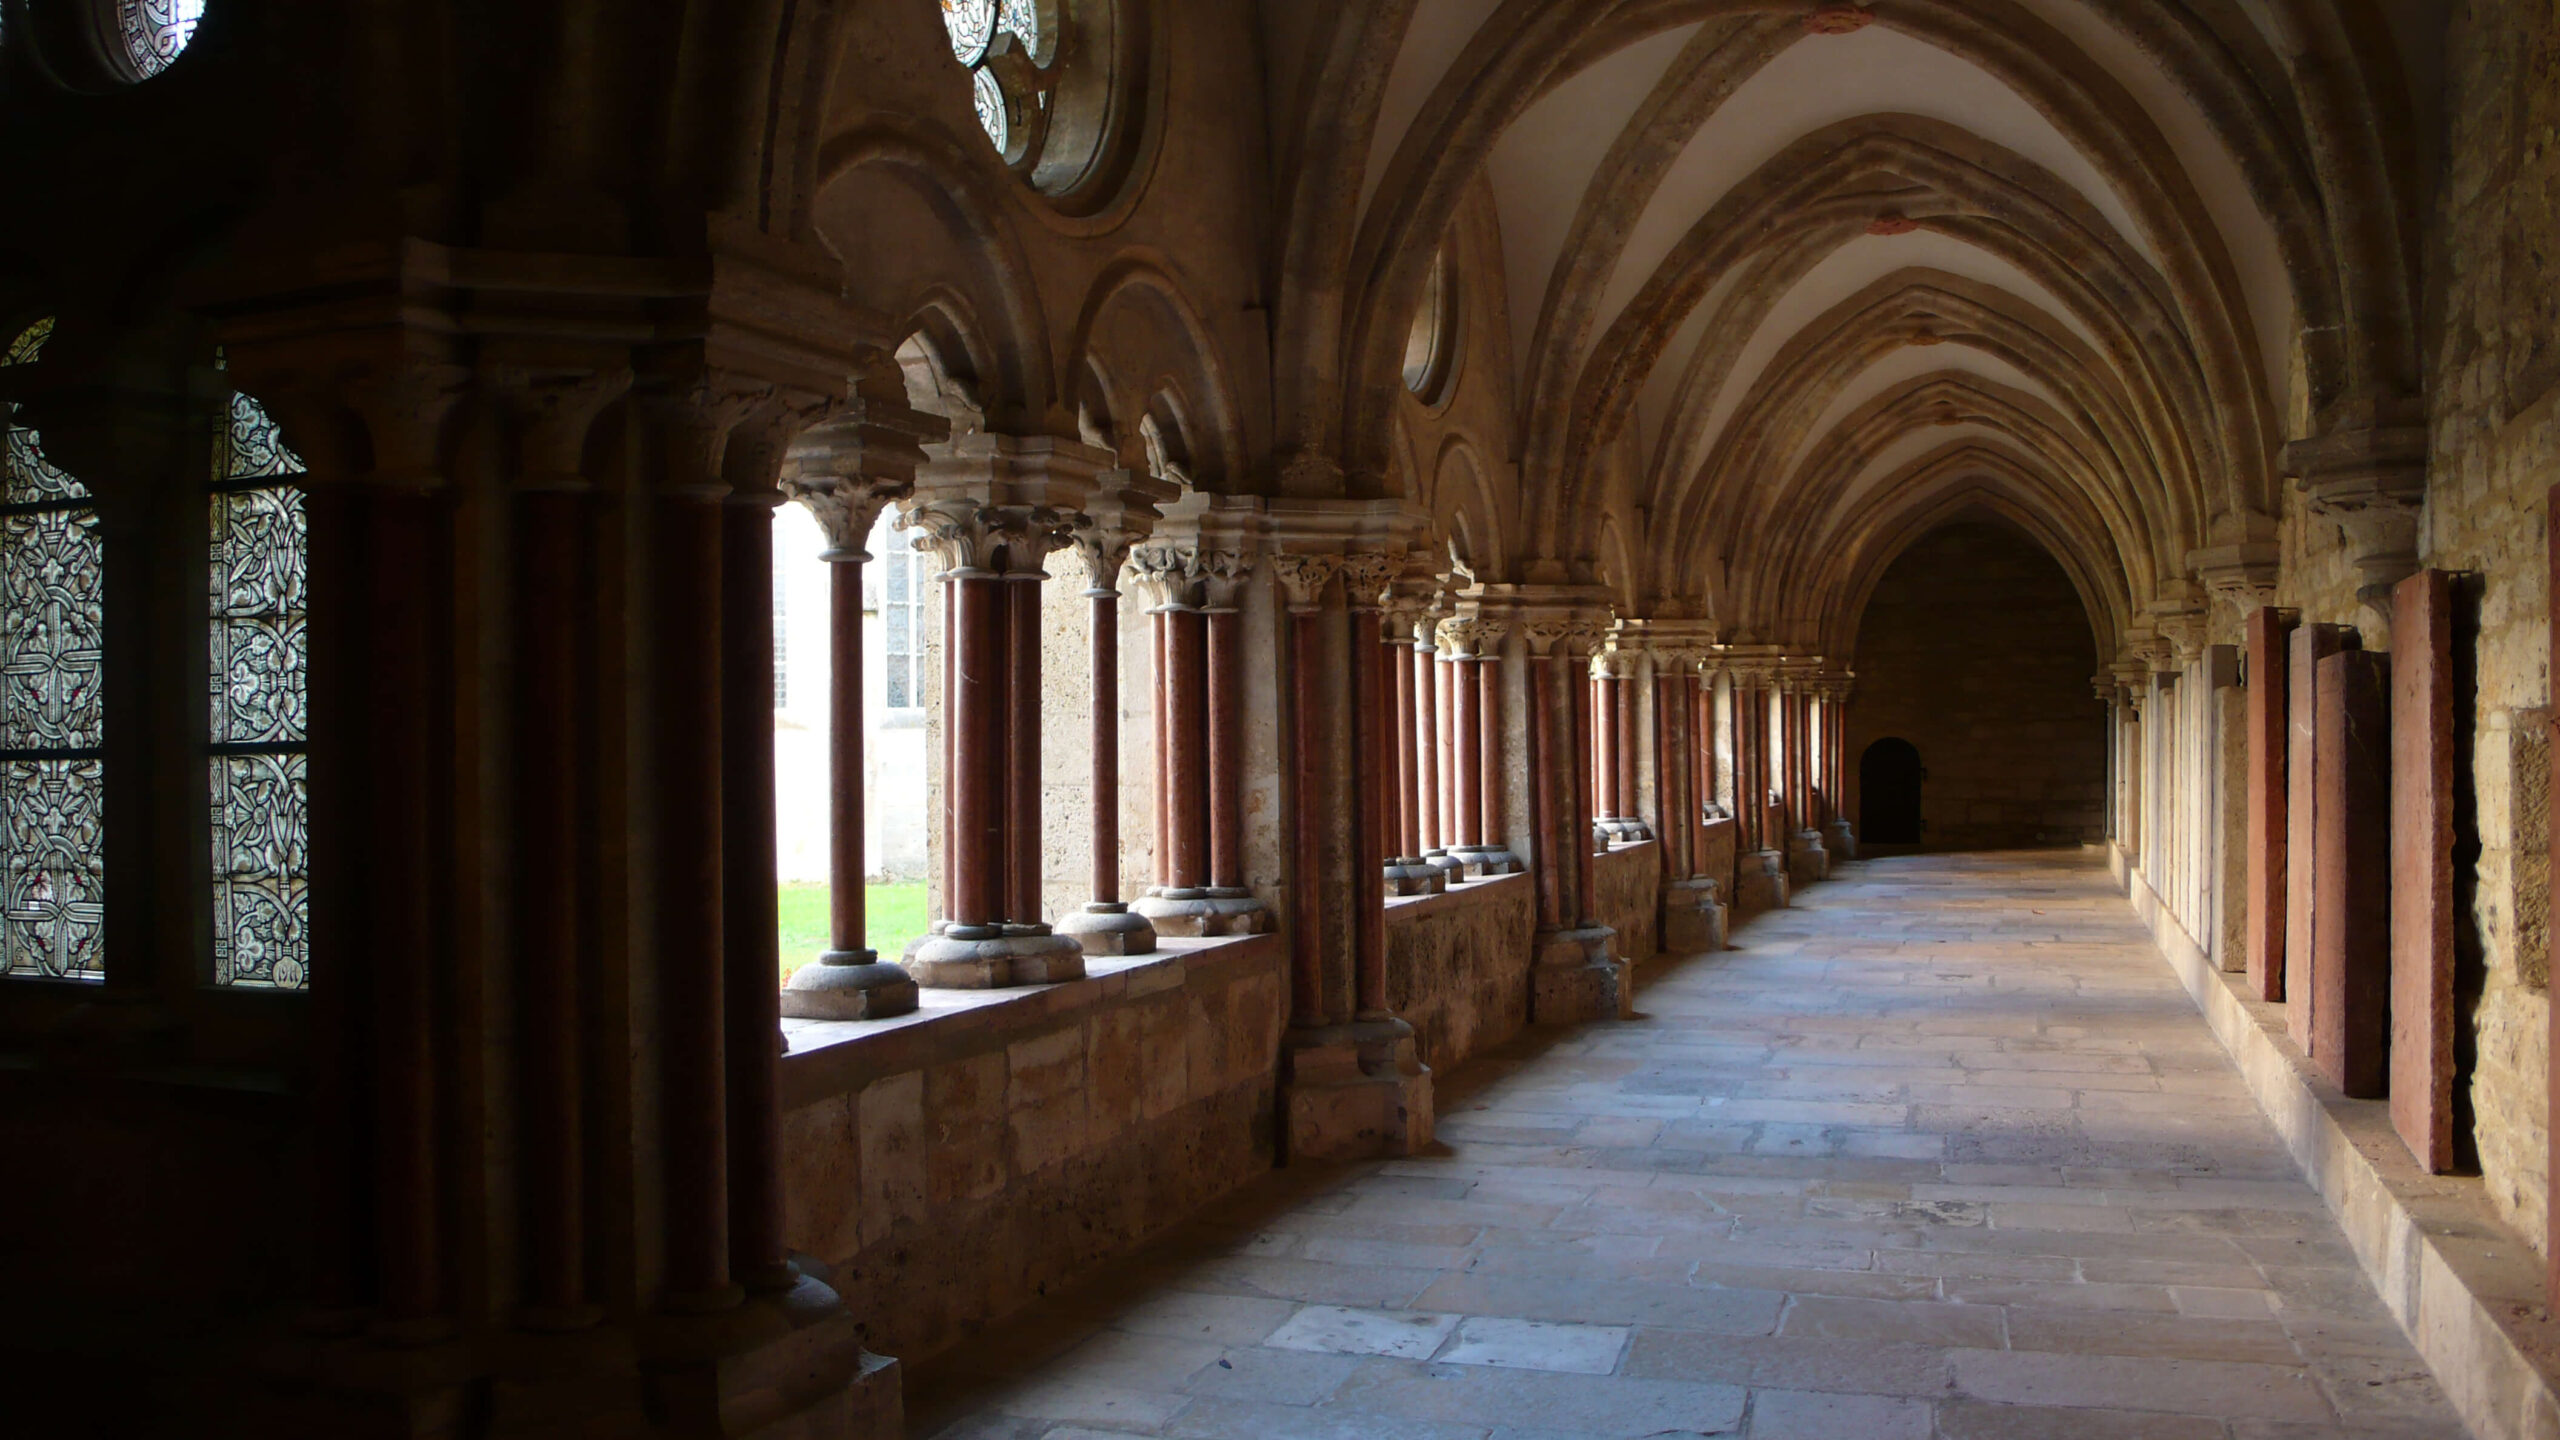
x: 546, y: 1017
x: 1194, y: 605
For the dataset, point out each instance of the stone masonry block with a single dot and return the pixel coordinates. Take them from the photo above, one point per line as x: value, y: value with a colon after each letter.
x: 965, y: 1106
x: 1045, y: 1098
x: 2423, y: 751
x: 891, y: 1113
x: 2270, y: 661
x: 2350, y: 989
x: 2310, y: 645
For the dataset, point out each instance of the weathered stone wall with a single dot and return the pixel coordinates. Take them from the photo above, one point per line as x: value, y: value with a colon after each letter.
x: 1976, y: 649
x: 1629, y: 882
x: 2496, y: 450
x: 1716, y: 854
x: 959, y: 1165
x: 1458, y: 966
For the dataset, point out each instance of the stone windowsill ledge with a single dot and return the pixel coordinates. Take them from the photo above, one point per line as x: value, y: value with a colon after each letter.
x: 833, y: 1057
x: 1461, y: 893
x: 2467, y: 1289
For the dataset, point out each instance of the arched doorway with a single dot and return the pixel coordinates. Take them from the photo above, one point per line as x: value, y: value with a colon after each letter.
x: 1889, y: 777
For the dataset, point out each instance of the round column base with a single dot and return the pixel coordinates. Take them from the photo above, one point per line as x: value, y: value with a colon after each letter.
x: 1109, y: 928
x: 1410, y: 876
x: 849, y: 985
x: 1210, y: 915
x: 1452, y: 866
x: 1001, y: 963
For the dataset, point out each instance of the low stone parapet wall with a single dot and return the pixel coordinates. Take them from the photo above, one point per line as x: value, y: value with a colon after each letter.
x: 1458, y: 965
x: 1629, y: 884
x: 955, y: 1165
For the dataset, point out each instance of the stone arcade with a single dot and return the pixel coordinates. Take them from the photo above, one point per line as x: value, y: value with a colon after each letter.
x: 1639, y: 716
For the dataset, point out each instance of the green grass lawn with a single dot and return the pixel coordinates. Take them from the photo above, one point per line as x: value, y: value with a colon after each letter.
x: 894, y: 915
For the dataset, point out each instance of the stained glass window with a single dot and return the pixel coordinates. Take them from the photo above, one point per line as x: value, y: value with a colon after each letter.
x: 52, y: 714
x: 1008, y: 47
x: 259, y: 772
x: 155, y: 31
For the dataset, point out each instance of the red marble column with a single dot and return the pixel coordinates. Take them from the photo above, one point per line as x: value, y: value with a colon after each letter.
x: 1370, y: 797
x: 1465, y: 780
x: 1702, y: 758
x: 692, y: 1026
x: 1226, y: 752
x: 751, y: 1000
x: 1103, y: 603
x: 1491, y: 831
x: 1441, y: 772
x: 848, y: 874
x: 1671, y: 773
x: 2270, y: 668
x: 404, y: 560
x: 1423, y: 729
x: 2311, y: 645
x: 1599, y: 741
x: 1022, y: 742
x: 1160, y: 635
x: 2351, y: 934
x: 1187, y: 695
x: 1625, y: 793
x: 551, y: 625
x: 1306, y: 944
x: 341, y: 1073
x: 2425, y: 751
x: 1405, y: 729
x: 1551, y: 694
x: 1586, y: 883
x: 951, y: 761
x: 975, y: 706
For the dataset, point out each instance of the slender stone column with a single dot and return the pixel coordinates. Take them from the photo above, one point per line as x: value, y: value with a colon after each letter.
x: 1761, y: 881
x: 1623, y: 687
x: 1187, y: 759
x: 992, y: 556
x: 1807, y: 860
x: 1443, y: 770
x: 751, y: 999
x: 1364, y: 581
x: 1575, y: 972
x: 1670, y: 798
x: 1466, y: 735
x: 1692, y: 920
x: 1232, y: 906
x: 685, y: 704
x: 1304, y: 579
x: 1401, y: 692
x: 1106, y: 925
x: 1492, y: 828
x: 1602, y: 732
x: 844, y: 473
x: 1839, y: 836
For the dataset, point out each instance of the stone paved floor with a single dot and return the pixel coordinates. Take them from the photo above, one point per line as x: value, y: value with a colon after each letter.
x: 1943, y: 1152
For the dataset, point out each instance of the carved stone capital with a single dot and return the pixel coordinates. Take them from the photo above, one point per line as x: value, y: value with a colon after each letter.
x: 1103, y: 553
x: 404, y: 413
x: 1457, y: 638
x: 1303, y: 578
x: 1163, y: 575
x: 555, y: 412
x: 2372, y: 481
x: 1366, y: 576
x: 973, y: 539
x: 1223, y: 574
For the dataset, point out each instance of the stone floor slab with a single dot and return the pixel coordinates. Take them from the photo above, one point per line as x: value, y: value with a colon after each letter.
x: 1943, y: 1152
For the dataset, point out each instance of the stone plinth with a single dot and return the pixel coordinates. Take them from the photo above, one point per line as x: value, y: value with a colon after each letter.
x: 1354, y: 1092
x: 2424, y: 749
x: 954, y: 961
x: 1693, y: 921
x: 1575, y: 976
x: 1841, y: 839
x: 861, y: 990
x: 1808, y: 863
x: 1760, y: 882
x: 1206, y: 916
x: 1109, y: 929
x: 2350, y: 992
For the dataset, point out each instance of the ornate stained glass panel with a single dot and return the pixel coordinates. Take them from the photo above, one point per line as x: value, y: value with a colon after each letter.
x: 52, y: 708
x: 52, y: 905
x: 260, y: 647
x: 51, y: 629
x: 157, y: 31
x: 261, y: 870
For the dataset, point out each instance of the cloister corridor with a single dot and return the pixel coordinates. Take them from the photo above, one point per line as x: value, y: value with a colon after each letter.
x: 1942, y: 1151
